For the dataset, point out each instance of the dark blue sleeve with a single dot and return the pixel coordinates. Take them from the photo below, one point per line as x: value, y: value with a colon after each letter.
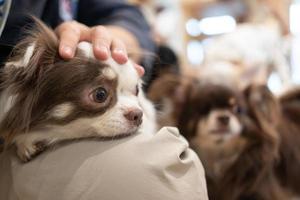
x: 116, y: 12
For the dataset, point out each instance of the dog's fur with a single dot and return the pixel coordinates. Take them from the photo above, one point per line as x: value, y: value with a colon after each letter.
x: 45, y: 99
x: 168, y: 93
x: 260, y: 159
x: 288, y: 168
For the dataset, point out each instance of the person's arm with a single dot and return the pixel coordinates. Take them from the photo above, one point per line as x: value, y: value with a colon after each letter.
x: 139, y: 167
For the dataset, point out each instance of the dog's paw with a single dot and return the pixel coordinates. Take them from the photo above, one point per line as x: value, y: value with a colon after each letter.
x: 27, y: 149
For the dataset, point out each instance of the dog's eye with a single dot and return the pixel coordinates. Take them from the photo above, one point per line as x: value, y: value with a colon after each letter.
x: 137, y: 90
x: 100, y: 95
x: 237, y: 110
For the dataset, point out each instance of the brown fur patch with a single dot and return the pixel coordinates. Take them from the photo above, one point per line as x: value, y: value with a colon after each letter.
x: 172, y: 89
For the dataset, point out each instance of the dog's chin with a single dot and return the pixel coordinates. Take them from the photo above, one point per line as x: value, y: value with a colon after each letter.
x: 126, y: 133
x: 221, y: 131
x: 223, y: 134
x: 121, y: 135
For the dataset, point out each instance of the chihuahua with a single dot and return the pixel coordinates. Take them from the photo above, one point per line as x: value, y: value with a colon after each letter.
x: 46, y: 99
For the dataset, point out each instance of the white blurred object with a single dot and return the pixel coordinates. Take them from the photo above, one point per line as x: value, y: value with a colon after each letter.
x: 221, y: 73
x: 192, y: 27
x: 169, y: 24
x: 274, y: 83
x: 295, y: 30
x: 195, y: 52
x: 166, y: 22
x: 217, y: 25
x: 256, y: 50
x: 294, y: 18
x: 295, y: 60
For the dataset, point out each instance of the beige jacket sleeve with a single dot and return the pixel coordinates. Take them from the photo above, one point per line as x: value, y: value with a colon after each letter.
x: 140, y: 167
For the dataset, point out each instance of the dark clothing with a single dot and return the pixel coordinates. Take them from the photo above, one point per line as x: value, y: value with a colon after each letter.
x: 88, y: 12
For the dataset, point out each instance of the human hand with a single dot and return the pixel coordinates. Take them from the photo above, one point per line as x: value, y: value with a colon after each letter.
x: 104, y: 44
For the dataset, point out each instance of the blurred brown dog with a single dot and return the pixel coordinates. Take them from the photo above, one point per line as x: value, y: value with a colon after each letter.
x: 247, y: 140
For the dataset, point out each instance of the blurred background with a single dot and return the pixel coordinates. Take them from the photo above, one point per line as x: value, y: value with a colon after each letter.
x: 236, y: 38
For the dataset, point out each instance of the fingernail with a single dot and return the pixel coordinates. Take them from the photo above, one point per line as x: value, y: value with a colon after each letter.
x: 103, y: 49
x: 121, y: 52
x: 68, y: 51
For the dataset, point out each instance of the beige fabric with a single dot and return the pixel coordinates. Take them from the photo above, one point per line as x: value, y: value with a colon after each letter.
x: 159, y: 167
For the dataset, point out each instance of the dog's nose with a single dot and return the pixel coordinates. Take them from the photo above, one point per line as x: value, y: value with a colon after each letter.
x: 223, y: 119
x: 134, y: 116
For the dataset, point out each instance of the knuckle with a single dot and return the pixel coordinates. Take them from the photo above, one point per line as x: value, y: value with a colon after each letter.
x: 103, y: 39
x: 99, y: 29
x: 69, y: 27
x: 119, y: 44
x: 101, y: 34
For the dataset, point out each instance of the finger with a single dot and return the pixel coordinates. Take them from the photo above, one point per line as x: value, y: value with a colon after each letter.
x: 101, y: 41
x: 140, y: 70
x: 70, y: 33
x: 119, y: 53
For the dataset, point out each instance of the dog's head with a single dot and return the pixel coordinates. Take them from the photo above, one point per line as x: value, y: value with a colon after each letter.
x: 211, y: 121
x: 212, y: 111
x: 224, y: 126
x: 40, y: 90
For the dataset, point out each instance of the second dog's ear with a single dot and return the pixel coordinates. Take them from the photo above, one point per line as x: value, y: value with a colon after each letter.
x: 170, y: 86
x: 263, y: 104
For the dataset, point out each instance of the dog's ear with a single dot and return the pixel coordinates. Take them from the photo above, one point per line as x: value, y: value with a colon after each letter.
x: 263, y: 103
x: 21, y: 75
x: 265, y: 111
x: 188, y: 117
x: 31, y: 55
x: 170, y: 86
x: 290, y: 103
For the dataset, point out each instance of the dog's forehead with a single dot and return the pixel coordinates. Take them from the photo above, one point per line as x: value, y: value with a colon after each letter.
x: 126, y: 73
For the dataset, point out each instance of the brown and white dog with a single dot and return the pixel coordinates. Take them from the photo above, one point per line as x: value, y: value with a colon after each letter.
x: 45, y: 99
x: 248, y: 142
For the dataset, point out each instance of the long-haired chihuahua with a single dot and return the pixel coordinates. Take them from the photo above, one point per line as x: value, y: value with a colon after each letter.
x: 46, y: 99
